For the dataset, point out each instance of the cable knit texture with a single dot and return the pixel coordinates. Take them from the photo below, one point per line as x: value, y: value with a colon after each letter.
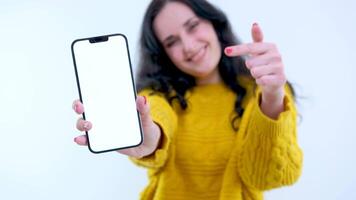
x: 202, y: 157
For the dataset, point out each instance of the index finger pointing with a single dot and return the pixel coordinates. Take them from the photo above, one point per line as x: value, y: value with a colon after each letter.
x: 246, y: 49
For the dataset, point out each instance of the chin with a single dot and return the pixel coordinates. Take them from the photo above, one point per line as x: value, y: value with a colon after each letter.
x: 203, y: 74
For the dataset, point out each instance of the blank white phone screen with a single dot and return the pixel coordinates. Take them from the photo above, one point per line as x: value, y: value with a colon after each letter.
x: 105, y: 83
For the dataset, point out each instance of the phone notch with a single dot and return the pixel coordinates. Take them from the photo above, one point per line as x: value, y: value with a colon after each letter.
x: 98, y: 39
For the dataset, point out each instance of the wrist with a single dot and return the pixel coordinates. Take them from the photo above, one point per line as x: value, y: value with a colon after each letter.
x: 272, y: 104
x: 158, y: 137
x: 273, y: 97
x: 155, y: 137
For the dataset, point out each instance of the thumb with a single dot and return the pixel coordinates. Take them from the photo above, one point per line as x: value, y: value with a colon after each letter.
x: 256, y: 33
x: 144, y: 110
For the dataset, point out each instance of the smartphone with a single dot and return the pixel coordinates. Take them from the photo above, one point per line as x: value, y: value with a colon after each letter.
x: 107, y: 90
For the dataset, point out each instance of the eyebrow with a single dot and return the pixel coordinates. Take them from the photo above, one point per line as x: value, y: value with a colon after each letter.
x: 171, y: 37
x: 188, y: 21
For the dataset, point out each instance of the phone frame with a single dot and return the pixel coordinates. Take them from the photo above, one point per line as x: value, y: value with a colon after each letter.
x: 104, y: 38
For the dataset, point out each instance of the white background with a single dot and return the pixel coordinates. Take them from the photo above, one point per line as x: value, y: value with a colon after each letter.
x: 38, y: 158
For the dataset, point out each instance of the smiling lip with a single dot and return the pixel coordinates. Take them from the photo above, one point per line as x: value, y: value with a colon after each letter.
x: 199, y: 55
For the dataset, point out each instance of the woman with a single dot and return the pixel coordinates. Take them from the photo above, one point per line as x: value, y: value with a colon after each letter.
x: 216, y: 126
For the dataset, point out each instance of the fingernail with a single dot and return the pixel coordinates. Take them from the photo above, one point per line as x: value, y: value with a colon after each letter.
x: 255, y: 24
x: 145, y: 100
x: 86, y: 125
x: 228, y: 50
x: 75, y: 140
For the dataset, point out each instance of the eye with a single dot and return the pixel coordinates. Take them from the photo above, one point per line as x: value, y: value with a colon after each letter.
x: 170, y: 43
x: 193, y: 25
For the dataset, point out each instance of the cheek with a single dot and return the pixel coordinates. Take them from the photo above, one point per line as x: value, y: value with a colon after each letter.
x: 213, y: 40
x: 216, y: 43
x: 217, y: 48
x: 175, y: 54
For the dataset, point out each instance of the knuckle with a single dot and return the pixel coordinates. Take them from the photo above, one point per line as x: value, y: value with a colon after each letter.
x: 273, y: 46
x: 249, y: 62
x: 280, y: 68
x: 79, y: 124
x: 79, y: 127
x: 254, y: 72
x: 277, y: 56
x: 263, y: 80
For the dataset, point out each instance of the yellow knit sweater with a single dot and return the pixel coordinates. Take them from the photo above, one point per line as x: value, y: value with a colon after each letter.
x: 202, y: 157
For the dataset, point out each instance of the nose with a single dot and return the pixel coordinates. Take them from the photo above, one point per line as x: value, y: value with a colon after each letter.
x: 188, y: 44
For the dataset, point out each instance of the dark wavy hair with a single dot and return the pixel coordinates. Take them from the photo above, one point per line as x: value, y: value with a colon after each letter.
x: 158, y: 72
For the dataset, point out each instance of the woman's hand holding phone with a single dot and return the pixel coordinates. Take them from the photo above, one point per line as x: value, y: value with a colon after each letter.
x: 151, y: 131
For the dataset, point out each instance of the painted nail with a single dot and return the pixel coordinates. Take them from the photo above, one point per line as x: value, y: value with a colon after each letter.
x: 145, y: 99
x: 255, y: 24
x: 75, y: 139
x: 228, y: 50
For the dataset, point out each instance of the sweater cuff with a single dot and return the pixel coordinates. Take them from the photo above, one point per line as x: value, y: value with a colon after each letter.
x: 267, y: 125
x: 163, y: 115
x: 156, y: 159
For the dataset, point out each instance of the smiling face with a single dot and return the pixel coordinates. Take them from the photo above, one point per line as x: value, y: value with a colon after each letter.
x: 189, y: 41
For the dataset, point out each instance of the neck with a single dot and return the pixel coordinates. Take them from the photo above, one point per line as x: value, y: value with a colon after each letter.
x: 212, y: 78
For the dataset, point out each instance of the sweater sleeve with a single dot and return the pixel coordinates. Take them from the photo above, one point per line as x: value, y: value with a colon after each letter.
x: 165, y: 117
x: 270, y: 156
